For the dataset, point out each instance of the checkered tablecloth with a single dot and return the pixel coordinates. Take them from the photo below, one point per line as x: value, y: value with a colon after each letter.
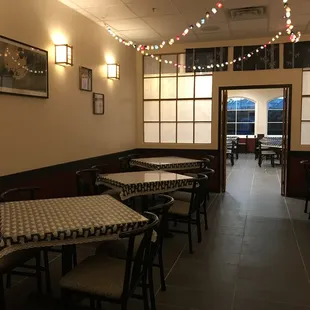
x: 271, y: 142
x: 52, y: 222
x: 167, y: 163
x: 140, y: 183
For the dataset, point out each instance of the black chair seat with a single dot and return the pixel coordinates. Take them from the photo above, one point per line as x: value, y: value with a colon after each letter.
x: 267, y: 152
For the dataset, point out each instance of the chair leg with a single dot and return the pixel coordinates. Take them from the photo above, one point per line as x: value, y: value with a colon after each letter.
x: 260, y: 160
x: 190, y: 243
x: 306, y: 204
x: 2, y: 300
x: 144, y: 292
x: 199, y: 237
x: 8, y: 280
x: 74, y: 256
x: 205, y: 214
x: 151, y: 288
x: 272, y: 161
x: 38, y: 272
x: 47, y: 271
x: 232, y: 160
x: 161, y: 268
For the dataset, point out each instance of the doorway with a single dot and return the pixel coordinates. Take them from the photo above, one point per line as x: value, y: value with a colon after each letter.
x: 240, y: 118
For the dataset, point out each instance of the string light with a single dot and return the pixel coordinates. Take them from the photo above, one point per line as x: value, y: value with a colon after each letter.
x: 198, y: 24
x: 294, y: 37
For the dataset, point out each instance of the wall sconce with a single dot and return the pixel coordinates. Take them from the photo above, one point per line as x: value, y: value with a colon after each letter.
x: 63, y: 55
x: 113, y: 71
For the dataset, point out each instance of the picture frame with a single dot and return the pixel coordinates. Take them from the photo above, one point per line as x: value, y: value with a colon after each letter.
x: 23, y: 69
x: 98, y: 104
x: 85, y: 79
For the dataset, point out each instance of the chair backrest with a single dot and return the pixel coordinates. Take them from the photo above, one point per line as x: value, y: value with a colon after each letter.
x: 133, y: 156
x: 160, y: 206
x: 19, y: 193
x: 124, y: 163
x: 198, y: 192
x: 136, y: 265
x: 86, y: 182
x: 101, y: 168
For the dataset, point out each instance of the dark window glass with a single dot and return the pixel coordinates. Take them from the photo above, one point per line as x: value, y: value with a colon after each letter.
x: 245, y: 129
x: 203, y: 57
x: 264, y: 59
x: 246, y: 116
x: 231, y: 116
x: 296, y: 55
x: 275, y: 116
x: 230, y: 129
x: 275, y: 129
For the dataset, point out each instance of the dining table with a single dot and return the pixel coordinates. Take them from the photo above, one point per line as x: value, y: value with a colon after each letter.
x: 142, y: 183
x: 169, y: 163
x: 64, y: 222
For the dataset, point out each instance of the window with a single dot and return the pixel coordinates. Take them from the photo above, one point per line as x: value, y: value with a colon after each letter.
x: 240, y: 116
x: 275, y: 117
x: 177, y: 104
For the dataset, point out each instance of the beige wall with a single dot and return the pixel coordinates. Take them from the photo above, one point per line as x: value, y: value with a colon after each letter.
x: 261, y: 97
x: 232, y: 78
x: 35, y: 132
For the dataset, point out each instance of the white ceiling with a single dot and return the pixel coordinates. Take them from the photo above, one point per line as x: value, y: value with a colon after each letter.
x: 135, y: 20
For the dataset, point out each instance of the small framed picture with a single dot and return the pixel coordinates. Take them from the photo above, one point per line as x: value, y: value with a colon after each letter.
x: 86, y: 79
x: 98, y: 104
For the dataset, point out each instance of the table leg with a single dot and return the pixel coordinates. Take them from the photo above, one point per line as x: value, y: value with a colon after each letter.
x: 67, y: 258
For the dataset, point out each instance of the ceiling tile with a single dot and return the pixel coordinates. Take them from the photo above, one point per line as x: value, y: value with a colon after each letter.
x: 170, y: 24
x: 95, y: 3
x: 114, y: 12
x: 141, y: 34
x: 151, y: 8
x: 127, y: 24
x: 236, y: 4
x: 249, y: 25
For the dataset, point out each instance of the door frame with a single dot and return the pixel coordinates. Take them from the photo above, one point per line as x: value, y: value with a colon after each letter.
x: 222, y: 168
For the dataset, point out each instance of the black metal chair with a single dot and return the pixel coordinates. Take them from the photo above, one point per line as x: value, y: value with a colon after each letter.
x: 306, y: 164
x: 104, y: 278
x: 16, y: 263
x: 184, y: 211
x: 265, y: 153
x: 230, y: 151
x: 86, y: 182
x: 160, y: 206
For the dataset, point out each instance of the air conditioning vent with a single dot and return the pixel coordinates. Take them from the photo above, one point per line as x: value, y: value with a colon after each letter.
x: 255, y: 12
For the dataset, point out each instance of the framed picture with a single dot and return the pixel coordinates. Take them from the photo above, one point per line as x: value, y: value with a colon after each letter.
x: 86, y: 79
x: 23, y: 69
x: 98, y: 104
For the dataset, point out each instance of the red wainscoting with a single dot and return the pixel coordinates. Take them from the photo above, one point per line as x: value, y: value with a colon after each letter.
x: 251, y: 144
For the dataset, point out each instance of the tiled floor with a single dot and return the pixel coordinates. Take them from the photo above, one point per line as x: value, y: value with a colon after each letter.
x: 256, y: 254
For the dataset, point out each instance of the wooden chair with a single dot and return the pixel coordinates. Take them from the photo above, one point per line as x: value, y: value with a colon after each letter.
x: 160, y: 206
x: 104, y: 278
x: 16, y: 263
x: 306, y: 164
x: 189, y: 212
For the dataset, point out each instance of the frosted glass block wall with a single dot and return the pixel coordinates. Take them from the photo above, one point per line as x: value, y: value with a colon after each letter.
x: 177, y: 104
x: 305, y: 113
